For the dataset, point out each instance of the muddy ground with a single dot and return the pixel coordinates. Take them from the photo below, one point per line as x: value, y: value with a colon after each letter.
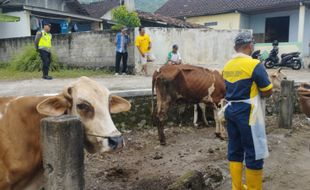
x: 144, y: 165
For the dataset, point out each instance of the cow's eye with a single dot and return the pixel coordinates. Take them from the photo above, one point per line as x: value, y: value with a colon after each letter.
x: 83, y: 107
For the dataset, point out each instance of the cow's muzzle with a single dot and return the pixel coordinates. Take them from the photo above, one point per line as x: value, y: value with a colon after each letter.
x: 116, y: 142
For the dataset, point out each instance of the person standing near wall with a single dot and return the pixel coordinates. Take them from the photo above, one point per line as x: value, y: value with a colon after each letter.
x: 122, y: 41
x: 43, y: 44
x: 144, y: 44
x: 246, y: 83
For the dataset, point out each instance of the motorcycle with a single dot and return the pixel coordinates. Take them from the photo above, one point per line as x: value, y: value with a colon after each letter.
x: 256, y: 55
x: 292, y: 60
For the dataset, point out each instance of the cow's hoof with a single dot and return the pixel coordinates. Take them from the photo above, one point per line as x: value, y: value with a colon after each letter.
x: 195, y: 124
x: 163, y: 143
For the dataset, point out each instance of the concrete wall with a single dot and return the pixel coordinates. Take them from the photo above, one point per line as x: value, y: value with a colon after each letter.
x: 16, y: 29
x: 83, y: 49
x: 258, y: 22
x: 209, y: 48
x: 224, y: 21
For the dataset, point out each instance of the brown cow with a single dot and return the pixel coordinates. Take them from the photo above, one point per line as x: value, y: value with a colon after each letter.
x: 185, y: 84
x: 20, y: 147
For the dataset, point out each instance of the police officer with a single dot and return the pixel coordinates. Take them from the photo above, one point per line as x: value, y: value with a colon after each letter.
x: 43, y: 44
x: 246, y: 83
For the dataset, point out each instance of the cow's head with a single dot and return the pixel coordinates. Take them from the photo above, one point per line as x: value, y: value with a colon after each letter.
x: 92, y: 103
x: 276, y: 78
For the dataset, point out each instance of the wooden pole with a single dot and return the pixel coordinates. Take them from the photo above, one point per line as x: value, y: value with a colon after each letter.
x: 286, y: 104
x: 63, y: 154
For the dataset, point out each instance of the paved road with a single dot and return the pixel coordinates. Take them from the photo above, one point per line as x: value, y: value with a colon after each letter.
x: 41, y: 87
x: 119, y: 83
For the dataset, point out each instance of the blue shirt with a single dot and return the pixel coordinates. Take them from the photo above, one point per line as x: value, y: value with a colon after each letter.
x: 122, y: 42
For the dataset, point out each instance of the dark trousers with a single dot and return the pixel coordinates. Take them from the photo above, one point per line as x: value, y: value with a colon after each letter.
x: 119, y: 57
x: 46, y: 61
x: 240, y: 139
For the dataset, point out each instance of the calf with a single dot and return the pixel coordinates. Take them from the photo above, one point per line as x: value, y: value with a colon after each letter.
x: 20, y: 147
x: 185, y: 84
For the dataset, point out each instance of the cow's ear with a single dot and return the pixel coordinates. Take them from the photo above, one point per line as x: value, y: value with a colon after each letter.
x: 118, y: 104
x: 68, y: 93
x: 53, y: 106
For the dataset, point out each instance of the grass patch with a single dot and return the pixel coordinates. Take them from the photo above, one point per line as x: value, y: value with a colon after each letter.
x: 10, y: 74
x: 28, y: 59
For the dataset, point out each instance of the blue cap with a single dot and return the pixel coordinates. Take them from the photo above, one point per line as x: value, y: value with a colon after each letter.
x: 244, y: 38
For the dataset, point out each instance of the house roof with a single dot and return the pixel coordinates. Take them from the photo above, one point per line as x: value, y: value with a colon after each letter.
x: 192, y: 8
x: 169, y: 21
x: 149, y: 6
x: 75, y: 4
x: 100, y: 8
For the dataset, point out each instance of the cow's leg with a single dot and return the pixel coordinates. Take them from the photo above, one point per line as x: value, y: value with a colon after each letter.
x: 203, y: 109
x: 217, y: 124
x: 220, y: 131
x: 162, y: 110
x: 195, y: 115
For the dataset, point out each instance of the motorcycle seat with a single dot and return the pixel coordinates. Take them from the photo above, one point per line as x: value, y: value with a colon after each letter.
x: 290, y: 54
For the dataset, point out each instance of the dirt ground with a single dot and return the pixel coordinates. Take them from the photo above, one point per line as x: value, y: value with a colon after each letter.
x: 144, y: 165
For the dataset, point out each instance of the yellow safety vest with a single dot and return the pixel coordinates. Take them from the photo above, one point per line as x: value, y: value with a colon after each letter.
x: 45, y: 40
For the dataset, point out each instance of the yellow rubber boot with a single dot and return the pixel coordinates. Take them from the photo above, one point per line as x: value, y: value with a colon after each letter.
x: 254, y: 179
x: 236, y: 175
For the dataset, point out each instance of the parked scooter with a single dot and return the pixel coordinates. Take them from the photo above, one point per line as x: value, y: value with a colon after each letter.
x: 292, y: 60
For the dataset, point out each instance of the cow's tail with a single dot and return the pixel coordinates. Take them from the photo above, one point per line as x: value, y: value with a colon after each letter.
x: 153, y: 87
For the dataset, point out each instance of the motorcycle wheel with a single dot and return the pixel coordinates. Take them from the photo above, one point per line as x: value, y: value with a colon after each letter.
x: 269, y: 64
x: 296, y: 65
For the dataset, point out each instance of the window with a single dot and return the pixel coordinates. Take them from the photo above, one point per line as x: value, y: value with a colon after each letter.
x: 208, y: 24
x: 277, y: 28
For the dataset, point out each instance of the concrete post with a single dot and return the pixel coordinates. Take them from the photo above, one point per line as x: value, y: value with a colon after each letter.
x: 62, y: 141
x: 301, y: 24
x: 286, y: 104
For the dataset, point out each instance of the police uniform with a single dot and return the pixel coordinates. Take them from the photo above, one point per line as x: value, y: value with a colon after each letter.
x: 245, y: 78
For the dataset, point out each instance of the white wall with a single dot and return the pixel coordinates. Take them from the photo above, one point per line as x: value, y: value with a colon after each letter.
x: 258, y: 22
x: 16, y: 29
x: 208, y: 48
x: 307, y: 34
x: 244, y: 21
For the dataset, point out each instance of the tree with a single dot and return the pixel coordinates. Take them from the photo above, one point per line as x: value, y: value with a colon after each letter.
x: 123, y: 18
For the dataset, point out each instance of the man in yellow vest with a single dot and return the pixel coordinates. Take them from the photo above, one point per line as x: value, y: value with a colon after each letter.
x: 43, y: 44
x: 246, y: 83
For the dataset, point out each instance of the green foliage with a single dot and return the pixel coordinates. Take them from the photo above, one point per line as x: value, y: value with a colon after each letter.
x: 3, y: 65
x: 29, y: 60
x: 124, y: 18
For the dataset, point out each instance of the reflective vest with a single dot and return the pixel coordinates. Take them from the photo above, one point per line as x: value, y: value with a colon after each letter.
x: 45, y: 40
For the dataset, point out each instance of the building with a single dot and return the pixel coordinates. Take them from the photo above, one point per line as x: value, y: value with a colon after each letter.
x: 103, y: 10
x: 64, y: 15
x: 287, y: 21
